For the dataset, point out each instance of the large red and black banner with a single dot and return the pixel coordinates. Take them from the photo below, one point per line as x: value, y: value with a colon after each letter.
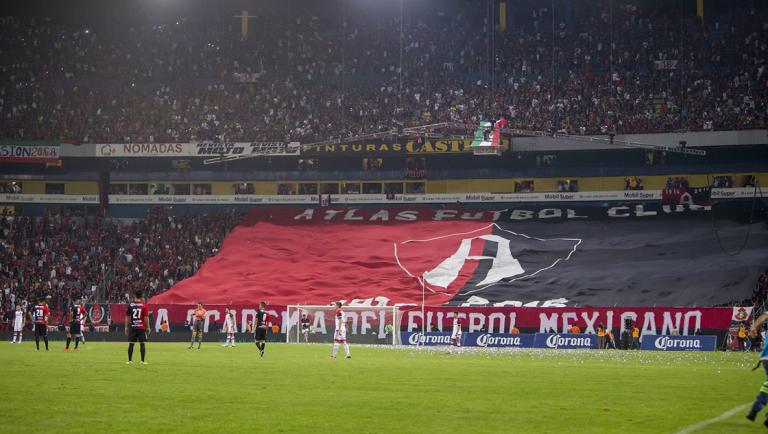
x: 620, y: 255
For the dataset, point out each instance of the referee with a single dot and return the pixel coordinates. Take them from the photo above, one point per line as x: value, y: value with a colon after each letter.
x: 198, y: 319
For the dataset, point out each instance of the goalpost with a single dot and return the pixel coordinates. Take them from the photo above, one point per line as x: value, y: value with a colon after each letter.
x: 365, y: 324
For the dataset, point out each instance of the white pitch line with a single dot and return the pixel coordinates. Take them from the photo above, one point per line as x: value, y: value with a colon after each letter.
x: 702, y: 424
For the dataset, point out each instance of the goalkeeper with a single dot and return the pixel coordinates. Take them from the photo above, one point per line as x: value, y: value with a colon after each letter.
x: 305, y: 327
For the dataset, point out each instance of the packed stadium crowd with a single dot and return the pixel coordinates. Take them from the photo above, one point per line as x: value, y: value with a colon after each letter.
x: 10, y: 187
x: 624, y: 70
x: 760, y: 293
x: 103, y: 259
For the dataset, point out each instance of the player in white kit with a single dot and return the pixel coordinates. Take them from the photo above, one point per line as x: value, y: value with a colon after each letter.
x: 230, y: 327
x: 455, y: 335
x: 83, y: 316
x: 340, y: 335
x: 18, y: 324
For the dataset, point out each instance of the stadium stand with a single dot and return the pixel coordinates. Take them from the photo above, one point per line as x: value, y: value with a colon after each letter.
x: 580, y: 69
x: 176, y: 81
x: 103, y: 259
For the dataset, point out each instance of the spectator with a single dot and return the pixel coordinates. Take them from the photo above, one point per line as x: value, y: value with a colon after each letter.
x: 633, y: 183
x: 12, y: 187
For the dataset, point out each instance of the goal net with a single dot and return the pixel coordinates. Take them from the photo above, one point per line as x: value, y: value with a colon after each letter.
x: 365, y: 325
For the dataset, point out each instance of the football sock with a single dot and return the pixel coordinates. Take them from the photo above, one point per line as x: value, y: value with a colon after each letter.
x: 143, y: 350
x: 68, y: 341
x: 346, y: 348
x: 46, y: 342
x: 762, y: 398
x: 130, y: 351
x: 20, y: 336
x: 335, y: 349
x: 192, y: 342
x: 37, y: 342
x: 77, y: 341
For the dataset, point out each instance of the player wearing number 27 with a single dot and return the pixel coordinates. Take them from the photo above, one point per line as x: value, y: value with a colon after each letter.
x: 340, y: 335
x: 137, y: 326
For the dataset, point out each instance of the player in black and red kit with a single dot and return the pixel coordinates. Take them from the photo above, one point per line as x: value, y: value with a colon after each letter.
x: 76, y: 312
x: 137, y: 326
x: 40, y: 315
x: 260, y: 329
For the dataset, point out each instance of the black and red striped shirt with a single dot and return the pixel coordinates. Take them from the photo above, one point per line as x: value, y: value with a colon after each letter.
x: 137, y: 312
x: 78, y: 312
x: 40, y: 314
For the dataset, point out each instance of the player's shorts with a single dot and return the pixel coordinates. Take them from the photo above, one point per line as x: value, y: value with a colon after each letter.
x: 456, y: 340
x: 764, y: 352
x: 18, y: 326
x: 137, y: 335
x: 340, y: 336
x: 261, y: 334
x: 197, y: 327
x: 74, y: 328
x: 41, y: 330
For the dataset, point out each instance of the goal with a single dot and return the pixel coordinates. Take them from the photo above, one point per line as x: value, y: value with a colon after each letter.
x: 365, y: 324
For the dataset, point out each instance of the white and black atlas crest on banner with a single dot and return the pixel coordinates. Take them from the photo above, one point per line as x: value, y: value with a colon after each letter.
x: 489, y: 261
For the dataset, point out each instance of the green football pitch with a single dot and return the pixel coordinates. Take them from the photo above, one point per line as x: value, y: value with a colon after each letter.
x: 298, y: 388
